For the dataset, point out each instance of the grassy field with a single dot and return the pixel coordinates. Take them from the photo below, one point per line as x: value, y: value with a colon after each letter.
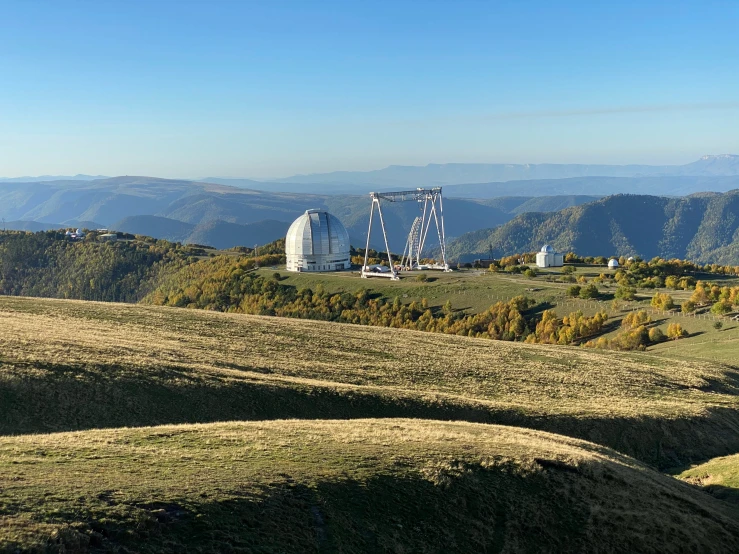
x: 67, y: 365
x: 719, y: 476
x: 475, y: 290
x: 344, y: 486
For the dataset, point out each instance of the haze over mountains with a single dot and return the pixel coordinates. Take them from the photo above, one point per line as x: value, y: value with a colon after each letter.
x: 225, y: 216
x: 466, y: 173
x: 254, y: 212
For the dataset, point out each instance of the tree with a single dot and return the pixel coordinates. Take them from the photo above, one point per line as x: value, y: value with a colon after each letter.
x: 721, y: 308
x: 574, y: 290
x: 636, y: 319
x: 687, y: 307
x: 675, y: 331
x: 662, y: 301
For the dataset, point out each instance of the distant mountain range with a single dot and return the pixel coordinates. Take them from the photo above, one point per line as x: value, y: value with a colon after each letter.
x: 464, y: 180
x: 188, y: 211
x: 461, y: 173
x: 702, y: 227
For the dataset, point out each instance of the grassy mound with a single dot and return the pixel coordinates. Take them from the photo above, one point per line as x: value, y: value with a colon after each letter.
x: 351, y: 486
x: 719, y: 477
x: 68, y: 365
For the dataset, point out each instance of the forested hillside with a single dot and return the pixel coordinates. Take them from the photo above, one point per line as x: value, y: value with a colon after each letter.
x: 49, y: 264
x: 703, y: 228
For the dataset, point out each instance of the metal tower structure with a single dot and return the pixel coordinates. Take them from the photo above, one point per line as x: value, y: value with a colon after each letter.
x: 432, y: 211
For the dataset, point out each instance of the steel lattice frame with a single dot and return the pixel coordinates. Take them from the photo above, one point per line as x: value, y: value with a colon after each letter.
x: 433, y: 210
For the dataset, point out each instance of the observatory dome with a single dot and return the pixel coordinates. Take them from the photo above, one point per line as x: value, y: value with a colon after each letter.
x: 317, y: 241
x: 547, y: 249
x: 613, y: 263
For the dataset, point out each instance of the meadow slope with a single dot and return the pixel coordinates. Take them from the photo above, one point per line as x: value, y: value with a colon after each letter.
x: 344, y: 486
x: 71, y: 365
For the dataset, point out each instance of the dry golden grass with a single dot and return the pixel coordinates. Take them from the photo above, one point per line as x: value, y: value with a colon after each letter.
x: 344, y: 486
x: 75, y: 365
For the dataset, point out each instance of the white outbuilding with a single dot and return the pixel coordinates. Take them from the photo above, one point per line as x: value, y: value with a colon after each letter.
x: 317, y: 241
x: 548, y: 257
x: 613, y: 263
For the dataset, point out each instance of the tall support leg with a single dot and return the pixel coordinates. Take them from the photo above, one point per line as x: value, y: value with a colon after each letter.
x: 442, y: 240
x: 438, y: 233
x: 422, y: 236
x: 387, y: 246
x: 369, y: 233
x: 427, y: 223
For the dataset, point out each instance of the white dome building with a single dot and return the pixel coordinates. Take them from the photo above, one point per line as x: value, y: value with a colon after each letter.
x: 317, y: 241
x: 613, y: 263
x: 548, y: 257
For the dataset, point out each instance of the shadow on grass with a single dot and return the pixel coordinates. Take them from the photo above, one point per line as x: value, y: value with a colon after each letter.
x: 458, y: 507
x: 78, y: 397
x: 383, y: 513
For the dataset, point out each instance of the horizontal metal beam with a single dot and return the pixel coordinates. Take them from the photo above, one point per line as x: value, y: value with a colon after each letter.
x: 406, y: 195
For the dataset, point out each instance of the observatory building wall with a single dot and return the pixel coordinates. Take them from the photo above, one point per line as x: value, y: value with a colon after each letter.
x: 317, y: 241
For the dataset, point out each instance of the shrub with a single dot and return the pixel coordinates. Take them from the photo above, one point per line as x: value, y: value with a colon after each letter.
x: 422, y: 277
x: 590, y: 291
x: 574, y: 290
x: 656, y: 335
x: 625, y: 293
x: 530, y: 273
x: 687, y: 307
x: 718, y: 325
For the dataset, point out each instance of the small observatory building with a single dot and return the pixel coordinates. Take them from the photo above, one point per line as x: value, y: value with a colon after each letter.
x: 613, y: 263
x: 317, y: 241
x: 547, y: 257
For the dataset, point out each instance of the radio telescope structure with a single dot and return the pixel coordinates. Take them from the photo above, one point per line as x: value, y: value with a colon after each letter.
x: 432, y: 211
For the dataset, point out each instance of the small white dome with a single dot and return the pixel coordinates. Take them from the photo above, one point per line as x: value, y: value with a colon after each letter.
x: 613, y: 262
x: 317, y: 241
x: 547, y: 249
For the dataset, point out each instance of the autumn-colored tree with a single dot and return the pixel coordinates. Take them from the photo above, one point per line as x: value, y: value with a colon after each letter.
x: 675, y: 331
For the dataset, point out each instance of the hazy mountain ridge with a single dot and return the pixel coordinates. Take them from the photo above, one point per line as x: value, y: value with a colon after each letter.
x: 172, y: 209
x: 457, y: 173
x: 703, y: 228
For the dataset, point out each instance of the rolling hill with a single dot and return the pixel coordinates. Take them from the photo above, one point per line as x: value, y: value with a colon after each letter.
x: 366, y: 485
x: 112, y: 365
x: 91, y: 458
x: 703, y: 228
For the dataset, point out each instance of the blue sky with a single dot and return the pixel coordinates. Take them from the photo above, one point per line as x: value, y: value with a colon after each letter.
x: 268, y: 89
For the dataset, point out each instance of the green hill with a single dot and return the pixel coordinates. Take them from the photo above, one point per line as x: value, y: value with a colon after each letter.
x: 719, y: 477
x: 343, y: 486
x: 704, y: 228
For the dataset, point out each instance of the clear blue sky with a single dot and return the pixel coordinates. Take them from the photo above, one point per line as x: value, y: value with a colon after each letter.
x: 267, y: 89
